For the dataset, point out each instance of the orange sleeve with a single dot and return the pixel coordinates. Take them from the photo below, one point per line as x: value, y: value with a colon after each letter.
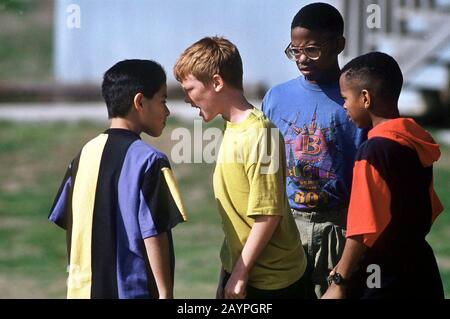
x: 370, y: 200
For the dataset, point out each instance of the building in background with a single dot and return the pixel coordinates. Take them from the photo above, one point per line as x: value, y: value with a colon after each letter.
x: 415, y: 32
x: 113, y: 30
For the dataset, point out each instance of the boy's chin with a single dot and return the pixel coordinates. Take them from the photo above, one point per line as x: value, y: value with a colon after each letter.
x: 206, y: 119
x: 154, y: 133
x: 310, y: 76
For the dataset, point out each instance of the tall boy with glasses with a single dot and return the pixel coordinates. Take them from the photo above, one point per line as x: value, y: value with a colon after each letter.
x: 320, y: 140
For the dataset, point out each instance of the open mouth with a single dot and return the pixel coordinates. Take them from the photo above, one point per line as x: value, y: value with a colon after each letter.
x: 199, y: 109
x: 306, y: 70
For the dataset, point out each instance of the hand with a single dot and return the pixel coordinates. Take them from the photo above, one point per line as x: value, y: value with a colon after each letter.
x: 332, y: 272
x: 166, y: 295
x: 334, y: 292
x: 235, y: 287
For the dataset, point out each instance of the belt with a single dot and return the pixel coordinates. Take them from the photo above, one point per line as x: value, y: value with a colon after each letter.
x: 336, y: 216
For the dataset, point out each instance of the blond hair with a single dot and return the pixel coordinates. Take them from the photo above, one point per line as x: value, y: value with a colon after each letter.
x: 210, y: 56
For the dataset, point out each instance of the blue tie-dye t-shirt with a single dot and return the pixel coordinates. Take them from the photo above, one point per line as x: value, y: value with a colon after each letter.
x: 321, y: 142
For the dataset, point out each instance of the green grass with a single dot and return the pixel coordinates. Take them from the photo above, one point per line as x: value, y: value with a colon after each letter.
x: 33, y: 160
x: 26, y: 41
x: 439, y: 238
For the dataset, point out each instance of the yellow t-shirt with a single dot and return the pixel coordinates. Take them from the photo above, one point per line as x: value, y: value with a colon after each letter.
x: 249, y: 181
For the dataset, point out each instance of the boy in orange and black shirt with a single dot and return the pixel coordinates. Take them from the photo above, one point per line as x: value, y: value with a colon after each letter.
x: 393, y: 203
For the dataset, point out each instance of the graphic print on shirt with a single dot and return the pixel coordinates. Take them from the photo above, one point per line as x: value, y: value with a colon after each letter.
x: 308, y: 149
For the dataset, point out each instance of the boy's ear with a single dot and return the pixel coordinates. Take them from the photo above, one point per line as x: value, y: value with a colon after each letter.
x: 137, y: 101
x: 217, y: 82
x: 366, y: 98
x: 340, y: 45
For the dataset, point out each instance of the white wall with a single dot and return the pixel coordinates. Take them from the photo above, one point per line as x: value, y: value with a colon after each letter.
x: 112, y: 30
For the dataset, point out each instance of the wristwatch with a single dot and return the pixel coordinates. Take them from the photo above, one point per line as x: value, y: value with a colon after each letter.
x: 337, y: 279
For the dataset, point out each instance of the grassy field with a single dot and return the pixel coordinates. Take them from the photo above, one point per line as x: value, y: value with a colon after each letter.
x: 26, y: 40
x: 33, y: 159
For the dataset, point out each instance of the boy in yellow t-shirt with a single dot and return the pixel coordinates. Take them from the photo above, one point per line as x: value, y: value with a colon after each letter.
x: 262, y: 255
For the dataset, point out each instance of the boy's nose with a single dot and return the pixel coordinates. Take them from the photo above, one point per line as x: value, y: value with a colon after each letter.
x: 302, y: 58
x: 167, y: 111
x: 187, y: 99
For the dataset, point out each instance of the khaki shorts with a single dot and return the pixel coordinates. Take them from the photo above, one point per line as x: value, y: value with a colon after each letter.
x: 323, y: 238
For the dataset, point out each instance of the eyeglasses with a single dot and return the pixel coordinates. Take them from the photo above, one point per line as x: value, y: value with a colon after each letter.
x: 311, y: 51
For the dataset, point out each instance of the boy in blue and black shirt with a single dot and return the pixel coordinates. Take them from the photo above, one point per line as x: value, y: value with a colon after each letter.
x: 321, y: 142
x: 118, y: 201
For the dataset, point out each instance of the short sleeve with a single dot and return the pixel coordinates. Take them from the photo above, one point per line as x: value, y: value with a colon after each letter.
x: 267, y: 195
x: 370, y: 200
x: 61, y: 204
x: 265, y: 105
x: 160, y: 206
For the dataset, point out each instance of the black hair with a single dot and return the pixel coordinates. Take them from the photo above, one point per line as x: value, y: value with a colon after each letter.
x: 127, y: 78
x: 377, y: 72
x: 321, y: 17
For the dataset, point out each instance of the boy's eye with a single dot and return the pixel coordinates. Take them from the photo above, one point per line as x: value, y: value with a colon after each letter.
x: 312, y: 52
x: 312, y: 49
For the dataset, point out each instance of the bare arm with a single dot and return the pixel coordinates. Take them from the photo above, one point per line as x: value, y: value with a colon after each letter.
x: 353, y: 251
x: 159, y: 259
x: 260, y: 234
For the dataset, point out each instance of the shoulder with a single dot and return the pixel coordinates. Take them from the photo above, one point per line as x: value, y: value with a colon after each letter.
x: 376, y: 146
x: 262, y: 130
x: 283, y: 88
x: 98, y: 141
x: 260, y: 120
x: 382, y: 153
x: 388, y: 150
x: 145, y: 152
